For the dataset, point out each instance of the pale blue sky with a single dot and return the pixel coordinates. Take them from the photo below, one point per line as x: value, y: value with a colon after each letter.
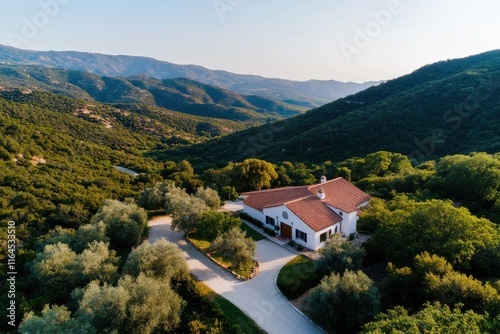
x: 291, y: 39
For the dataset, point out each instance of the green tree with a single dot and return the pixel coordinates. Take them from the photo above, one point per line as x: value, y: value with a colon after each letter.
x: 214, y: 223
x: 210, y: 196
x: 229, y: 193
x: 338, y: 255
x: 343, y: 303
x: 153, y: 198
x: 186, y: 211
x: 87, y: 234
x: 433, y: 278
x: 433, y: 318
x: 253, y: 174
x: 383, y: 163
x: 473, y: 179
x: 142, y: 305
x: 235, y: 247
x: 71, y: 215
x: 124, y: 222
x: 59, y: 270
x: 455, y: 287
x: 54, y: 320
x: 436, y: 227
x: 54, y: 267
x: 183, y: 176
x: 97, y: 262
x: 162, y: 260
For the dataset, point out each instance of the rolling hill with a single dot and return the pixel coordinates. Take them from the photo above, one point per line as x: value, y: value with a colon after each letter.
x: 445, y: 108
x: 309, y: 94
x: 157, y: 127
x: 178, y: 94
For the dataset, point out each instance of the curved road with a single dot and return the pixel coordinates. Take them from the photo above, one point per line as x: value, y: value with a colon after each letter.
x: 258, y: 297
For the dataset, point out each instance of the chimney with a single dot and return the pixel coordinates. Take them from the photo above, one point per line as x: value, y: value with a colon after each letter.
x: 321, y: 194
x: 322, y: 179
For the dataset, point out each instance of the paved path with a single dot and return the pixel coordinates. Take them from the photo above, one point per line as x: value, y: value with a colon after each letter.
x: 258, y: 297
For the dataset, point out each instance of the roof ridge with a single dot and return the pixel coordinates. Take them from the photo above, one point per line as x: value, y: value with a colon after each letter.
x: 299, y: 199
x: 275, y: 189
x: 328, y: 181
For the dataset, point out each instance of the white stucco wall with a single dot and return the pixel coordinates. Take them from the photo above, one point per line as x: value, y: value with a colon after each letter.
x: 319, y: 233
x: 349, y: 223
x: 296, y: 223
x: 254, y: 213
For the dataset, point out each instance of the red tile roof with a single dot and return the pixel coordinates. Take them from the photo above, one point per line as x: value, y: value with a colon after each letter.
x: 341, y: 194
x: 274, y: 197
x: 303, y: 201
x: 312, y: 211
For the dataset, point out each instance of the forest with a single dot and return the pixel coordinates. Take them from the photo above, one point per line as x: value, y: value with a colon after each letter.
x: 432, y: 260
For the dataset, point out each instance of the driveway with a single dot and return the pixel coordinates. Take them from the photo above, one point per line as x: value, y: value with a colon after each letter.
x: 258, y: 297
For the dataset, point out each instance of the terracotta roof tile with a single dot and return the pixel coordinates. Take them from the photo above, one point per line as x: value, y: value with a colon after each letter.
x: 312, y: 211
x: 341, y: 194
x: 274, y: 197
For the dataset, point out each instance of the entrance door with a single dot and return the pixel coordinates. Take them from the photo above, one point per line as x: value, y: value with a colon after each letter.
x: 286, y: 231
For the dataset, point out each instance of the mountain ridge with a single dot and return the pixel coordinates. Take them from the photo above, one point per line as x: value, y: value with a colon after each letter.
x: 310, y: 93
x: 425, y: 114
x: 180, y: 94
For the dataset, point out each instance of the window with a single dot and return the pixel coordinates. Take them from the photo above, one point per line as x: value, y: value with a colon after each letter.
x: 323, y: 236
x: 336, y: 229
x: 285, y: 215
x: 269, y: 220
x: 301, y: 235
x: 341, y: 213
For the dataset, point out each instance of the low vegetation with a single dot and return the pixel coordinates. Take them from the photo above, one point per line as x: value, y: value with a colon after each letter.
x: 298, y: 276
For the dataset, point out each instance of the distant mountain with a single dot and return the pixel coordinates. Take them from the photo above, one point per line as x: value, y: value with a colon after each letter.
x: 179, y: 94
x: 445, y: 108
x: 312, y: 93
x: 147, y: 126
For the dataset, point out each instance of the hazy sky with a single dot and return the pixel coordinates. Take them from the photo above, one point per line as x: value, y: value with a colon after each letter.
x: 356, y: 40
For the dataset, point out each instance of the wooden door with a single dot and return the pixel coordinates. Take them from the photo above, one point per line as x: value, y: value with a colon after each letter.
x: 286, y: 231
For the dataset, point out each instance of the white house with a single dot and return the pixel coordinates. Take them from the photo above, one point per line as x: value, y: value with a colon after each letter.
x: 308, y: 214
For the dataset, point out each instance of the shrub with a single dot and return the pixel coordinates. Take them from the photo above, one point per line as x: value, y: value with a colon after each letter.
x: 270, y: 231
x: 251, y: 219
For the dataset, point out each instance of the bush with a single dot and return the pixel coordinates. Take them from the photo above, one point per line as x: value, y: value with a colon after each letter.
x: 270, y: 231
x: 251, y: 219
x: 297, y: 276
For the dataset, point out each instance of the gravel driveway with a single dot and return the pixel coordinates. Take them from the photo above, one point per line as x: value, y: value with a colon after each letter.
x: 258, y: 297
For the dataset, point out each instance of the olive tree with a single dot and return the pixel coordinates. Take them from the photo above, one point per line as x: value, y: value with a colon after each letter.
x: 136, y: 305
x: 54, y: 320
x: 235, y: 247
x: 210, y: 196
x: 343, y: 303
x: 124, y: 221
x: 338, y: 255
x: 162, y: 260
